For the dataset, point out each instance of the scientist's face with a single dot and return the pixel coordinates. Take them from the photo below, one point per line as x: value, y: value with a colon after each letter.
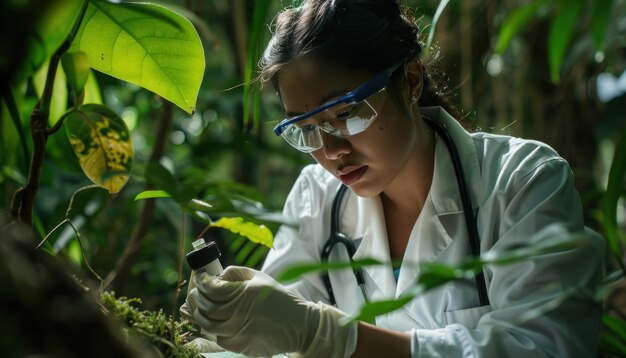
x: 370, y: 161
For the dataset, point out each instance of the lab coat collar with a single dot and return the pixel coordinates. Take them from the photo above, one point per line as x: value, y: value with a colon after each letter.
x: 437, y: 226
x: 371, y: 223
x: 445, y: 199
x: 444, y: 189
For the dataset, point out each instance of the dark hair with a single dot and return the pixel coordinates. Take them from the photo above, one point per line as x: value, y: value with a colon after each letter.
x: 364, y: 35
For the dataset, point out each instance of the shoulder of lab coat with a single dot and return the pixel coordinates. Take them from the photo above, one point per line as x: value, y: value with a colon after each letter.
x: 538, y: 307
x: 308, y: 205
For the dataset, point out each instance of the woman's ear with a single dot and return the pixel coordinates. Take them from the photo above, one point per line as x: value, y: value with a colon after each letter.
x: 414, y: 75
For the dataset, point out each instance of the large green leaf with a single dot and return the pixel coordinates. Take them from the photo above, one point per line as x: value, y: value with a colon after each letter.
x: 515, y: 22
x: 50, y: 33
x: 259, y: 234
x: 102, y: 143
x: 145, y: 44
x: 561, y: 33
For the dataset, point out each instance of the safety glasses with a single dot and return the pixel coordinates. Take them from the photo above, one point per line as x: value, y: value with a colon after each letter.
x: 345, y: 116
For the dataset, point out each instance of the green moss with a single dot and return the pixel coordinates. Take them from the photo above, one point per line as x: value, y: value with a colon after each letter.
x: 158, y: 329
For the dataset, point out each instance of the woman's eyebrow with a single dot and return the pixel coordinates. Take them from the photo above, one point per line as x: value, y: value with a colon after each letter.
x: 330, y: 96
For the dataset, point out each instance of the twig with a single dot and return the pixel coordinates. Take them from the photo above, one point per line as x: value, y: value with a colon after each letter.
x: 82, y: 251
x: 181, y: 255
x: 80, y: 244
x: 118, y: 276
x: 204, y: 231
x: 88, y: 187
x: 43, y: 241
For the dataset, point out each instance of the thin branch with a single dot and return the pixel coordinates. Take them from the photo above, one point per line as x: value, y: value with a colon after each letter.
x: 80, y: 244
x: 85, y: 188
x: 82, y: 252
x: 204, y: 231
x: 181, y: 258
x: 118, y: 276
x: 51, y: 232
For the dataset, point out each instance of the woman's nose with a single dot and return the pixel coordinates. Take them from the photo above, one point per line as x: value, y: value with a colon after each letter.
x: 335, y: 147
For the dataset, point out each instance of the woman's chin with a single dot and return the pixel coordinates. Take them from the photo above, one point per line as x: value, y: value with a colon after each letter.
x: 364, y: 190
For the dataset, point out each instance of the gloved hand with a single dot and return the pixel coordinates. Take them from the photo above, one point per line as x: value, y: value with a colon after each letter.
x: 185, y: 311
x: 205, y: 343
x: 253, y: 314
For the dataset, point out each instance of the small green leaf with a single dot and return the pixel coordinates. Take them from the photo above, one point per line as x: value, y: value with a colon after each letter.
x: 145, y: 44
x: 58, y: 103
x: 162, y: 178
x: 612, y: 344
x: 294, y: 272
x: 515, y: 22
x: 433, y: 275
x: 259, y: 234
x: 373, y: 309
x: 76, y: 68
x: 101, y: 141
x: 199, y: 205
x: 615, y: 325
x: 433, y: 25
x: 614, y: 190
x: 561, y: 32
x: 257, y: 29
x: 152, y: 194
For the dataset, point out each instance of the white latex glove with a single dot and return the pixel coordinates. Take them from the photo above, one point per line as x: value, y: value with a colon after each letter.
x: 203, y: 345
x: 185, y: 311
x: 253, y: 314
x: 206, y: 342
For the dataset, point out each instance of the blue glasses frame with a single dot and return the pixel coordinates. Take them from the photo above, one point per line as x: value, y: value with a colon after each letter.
x: 375, y: 84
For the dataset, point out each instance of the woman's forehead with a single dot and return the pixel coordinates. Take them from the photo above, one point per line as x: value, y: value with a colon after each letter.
x: 309, y: 82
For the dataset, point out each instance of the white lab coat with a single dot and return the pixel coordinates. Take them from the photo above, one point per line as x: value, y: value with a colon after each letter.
x: 520, y: 187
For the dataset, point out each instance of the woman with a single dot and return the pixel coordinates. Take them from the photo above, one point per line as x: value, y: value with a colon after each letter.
x: 403, y: 206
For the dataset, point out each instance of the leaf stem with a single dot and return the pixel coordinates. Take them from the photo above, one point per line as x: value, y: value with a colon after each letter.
x: 58, y: 124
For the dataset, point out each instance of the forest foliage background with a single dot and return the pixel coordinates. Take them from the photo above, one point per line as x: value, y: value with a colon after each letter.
x: 554, y: 71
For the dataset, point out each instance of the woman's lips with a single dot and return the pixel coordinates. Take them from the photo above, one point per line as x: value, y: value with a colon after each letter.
x: 351, y: 175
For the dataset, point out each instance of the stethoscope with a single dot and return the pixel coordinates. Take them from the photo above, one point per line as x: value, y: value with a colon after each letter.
x: 337, y: 237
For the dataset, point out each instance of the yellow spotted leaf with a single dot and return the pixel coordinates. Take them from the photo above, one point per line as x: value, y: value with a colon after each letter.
x: 102, y: 143
x: 259, y: 234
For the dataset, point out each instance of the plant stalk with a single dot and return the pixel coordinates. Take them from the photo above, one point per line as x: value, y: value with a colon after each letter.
x: 24, y: 198
x: 118, y: 277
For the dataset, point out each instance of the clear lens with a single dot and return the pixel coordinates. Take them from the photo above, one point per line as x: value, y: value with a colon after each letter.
x: 304, y: 138
x: 342, y: 120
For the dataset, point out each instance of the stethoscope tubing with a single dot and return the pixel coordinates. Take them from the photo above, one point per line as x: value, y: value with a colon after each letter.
x: 337, y: 237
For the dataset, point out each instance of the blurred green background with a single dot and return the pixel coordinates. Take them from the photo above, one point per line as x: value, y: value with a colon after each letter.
x: 553, y: 71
